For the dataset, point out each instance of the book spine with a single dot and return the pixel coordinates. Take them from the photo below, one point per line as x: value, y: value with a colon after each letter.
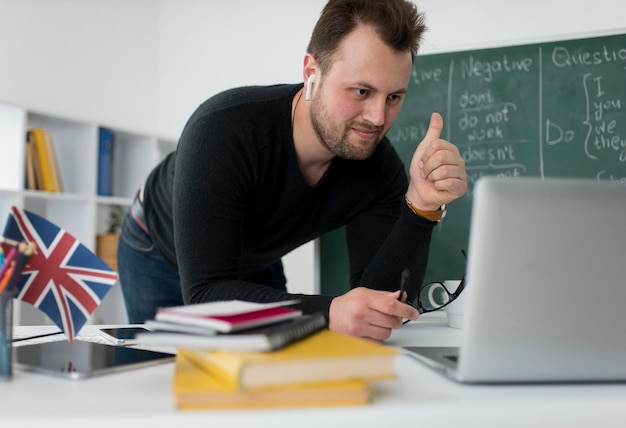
x: 47, y: 180
x: 35, y: 160
x: 105, y: 162
x: 298, y: 330
x: 54, y: 164
x: 31, y: 183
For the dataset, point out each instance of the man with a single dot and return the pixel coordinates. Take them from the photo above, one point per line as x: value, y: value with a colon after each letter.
x: 261, y: 170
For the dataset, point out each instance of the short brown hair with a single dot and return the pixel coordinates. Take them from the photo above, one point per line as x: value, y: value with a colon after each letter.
x: 397, y: 22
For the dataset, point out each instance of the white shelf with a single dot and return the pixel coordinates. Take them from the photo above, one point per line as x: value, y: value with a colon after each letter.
x: 78, y: 209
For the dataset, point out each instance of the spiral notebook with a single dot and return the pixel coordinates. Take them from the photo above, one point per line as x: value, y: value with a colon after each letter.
x: 265, y: 338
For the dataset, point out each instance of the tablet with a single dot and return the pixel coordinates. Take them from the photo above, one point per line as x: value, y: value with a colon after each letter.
x: 79, y: 359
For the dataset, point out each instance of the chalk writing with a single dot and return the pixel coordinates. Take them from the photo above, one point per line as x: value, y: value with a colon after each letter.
x: 563, y: 57
x: 615, y: 178
x: 487, y: 69
x: 544, y: 109
x: 426, y: 76
x: 407, y: 133
x: 602, y: 134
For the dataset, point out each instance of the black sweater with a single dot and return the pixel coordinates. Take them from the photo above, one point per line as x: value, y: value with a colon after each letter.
x: 232, y: 201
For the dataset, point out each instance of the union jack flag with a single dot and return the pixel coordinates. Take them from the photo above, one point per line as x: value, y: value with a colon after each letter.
x: 63, y: 279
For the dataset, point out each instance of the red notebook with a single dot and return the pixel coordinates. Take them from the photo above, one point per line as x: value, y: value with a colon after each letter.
x: 229, y: 316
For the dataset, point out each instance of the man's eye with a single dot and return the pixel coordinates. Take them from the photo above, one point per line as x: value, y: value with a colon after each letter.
x: 361, y: 92
x: 394, y: 99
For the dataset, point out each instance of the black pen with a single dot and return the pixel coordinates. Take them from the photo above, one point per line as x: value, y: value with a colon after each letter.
x: 403, y: 282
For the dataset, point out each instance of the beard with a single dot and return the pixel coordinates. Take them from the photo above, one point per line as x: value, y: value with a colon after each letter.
x: 336, y: 137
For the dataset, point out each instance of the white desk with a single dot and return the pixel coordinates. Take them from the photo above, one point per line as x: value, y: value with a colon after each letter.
x: 419, y: 398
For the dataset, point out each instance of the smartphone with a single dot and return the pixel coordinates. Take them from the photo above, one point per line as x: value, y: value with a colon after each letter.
x: 122, y: 335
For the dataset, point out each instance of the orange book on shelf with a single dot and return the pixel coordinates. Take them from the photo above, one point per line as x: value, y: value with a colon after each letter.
x: 44, y: 147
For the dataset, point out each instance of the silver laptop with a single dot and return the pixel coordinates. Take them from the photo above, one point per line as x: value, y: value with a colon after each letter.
x: 546, y: 284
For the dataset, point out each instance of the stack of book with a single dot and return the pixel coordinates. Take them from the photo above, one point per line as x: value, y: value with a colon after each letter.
x: 323, y: 369
x: 237, y: 354
x: 233, y: 324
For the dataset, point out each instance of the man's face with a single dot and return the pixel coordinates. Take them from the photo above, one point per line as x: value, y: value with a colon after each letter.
x: 359, y: 98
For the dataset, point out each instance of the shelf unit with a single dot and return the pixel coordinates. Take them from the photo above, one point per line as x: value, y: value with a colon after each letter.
x: 78, y: 209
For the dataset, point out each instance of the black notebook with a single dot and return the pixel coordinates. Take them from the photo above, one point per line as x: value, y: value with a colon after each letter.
x: 266, y: 338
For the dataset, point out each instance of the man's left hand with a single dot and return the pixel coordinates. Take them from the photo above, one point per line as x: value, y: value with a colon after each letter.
x: 437, y: 170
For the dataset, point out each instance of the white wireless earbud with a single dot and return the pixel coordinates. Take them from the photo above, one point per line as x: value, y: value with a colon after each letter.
x: 309, y: 84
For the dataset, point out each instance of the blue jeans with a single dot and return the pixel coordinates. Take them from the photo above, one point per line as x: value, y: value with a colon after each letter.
x: 148, y: 281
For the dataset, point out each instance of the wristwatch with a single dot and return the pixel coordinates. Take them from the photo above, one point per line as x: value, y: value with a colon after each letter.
x: 437, y: 215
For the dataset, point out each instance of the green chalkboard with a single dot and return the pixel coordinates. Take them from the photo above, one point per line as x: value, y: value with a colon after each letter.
x: 554, y: 109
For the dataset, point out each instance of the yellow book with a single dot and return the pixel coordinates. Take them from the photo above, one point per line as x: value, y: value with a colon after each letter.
x: 321, y: 357
x: 50, y: 178
x: 195, y: 389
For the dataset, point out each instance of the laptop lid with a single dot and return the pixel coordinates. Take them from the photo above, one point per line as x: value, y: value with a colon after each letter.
x: 546, y: 279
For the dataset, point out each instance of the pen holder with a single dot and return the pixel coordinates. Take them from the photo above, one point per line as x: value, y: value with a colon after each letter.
x: 6, y: 336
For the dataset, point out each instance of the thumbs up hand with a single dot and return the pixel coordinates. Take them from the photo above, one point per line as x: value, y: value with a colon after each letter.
x: 437, y: 170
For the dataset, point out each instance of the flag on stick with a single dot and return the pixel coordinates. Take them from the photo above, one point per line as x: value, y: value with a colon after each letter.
x: 62, y: 278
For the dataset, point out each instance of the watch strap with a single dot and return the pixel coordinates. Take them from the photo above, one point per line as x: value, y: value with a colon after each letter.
x: 436, y: 215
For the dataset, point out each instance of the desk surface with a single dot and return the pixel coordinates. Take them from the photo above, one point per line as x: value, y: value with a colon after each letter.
x: 419, y: 397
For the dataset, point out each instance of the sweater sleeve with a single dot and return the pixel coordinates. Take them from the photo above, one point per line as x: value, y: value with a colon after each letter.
x: 406, y: 247
x: 388, y: 238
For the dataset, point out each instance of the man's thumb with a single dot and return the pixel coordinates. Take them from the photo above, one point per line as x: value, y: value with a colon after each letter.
x: 434, y: 128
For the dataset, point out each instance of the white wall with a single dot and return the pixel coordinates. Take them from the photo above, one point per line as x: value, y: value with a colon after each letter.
x: 92, y: 60
x: 145, y: 65
x: 206, y: 46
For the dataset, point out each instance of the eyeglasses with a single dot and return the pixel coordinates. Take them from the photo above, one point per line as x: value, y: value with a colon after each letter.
x: 436, y: 295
